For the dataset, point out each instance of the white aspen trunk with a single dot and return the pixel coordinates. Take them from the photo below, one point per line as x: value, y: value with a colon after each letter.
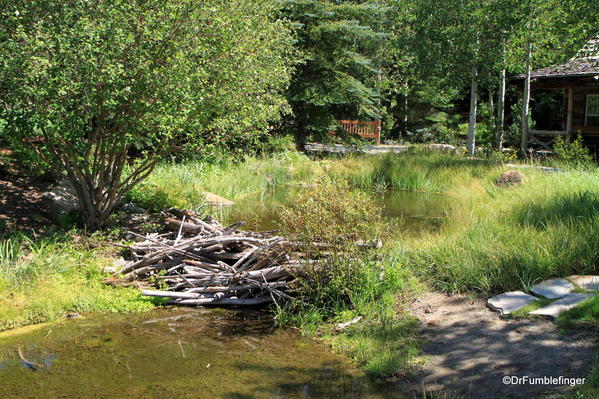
x: 405, y: 109
x: 501, y: 102
x: 501, y: 109
x: 526, y: 101
x: 473, y: 111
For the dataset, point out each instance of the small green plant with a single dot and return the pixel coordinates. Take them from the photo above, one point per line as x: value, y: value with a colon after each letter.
x: 349, y: 280
x: 573, y: 154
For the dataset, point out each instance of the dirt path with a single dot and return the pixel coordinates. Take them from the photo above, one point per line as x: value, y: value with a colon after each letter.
x: 19, y: 198
x: 469, y: 349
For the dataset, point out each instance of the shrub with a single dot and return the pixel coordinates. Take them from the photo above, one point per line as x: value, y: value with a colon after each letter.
x: 573, y: 154
x: 104, y: 89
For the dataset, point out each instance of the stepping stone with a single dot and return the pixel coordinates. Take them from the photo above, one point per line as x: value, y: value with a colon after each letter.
x: 509, y: 302
x: 553, y: 289
x: 587, y: 283
x: 567, y: 302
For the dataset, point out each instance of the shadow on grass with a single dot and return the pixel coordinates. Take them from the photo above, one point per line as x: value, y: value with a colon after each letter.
x: 572, y: 208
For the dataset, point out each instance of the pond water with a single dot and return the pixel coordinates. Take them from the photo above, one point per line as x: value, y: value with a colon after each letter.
x: 176, y: 353
x: 411, y: 211
x: 198, y: 353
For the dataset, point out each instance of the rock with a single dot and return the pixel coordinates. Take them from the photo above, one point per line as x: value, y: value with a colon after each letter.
x: 510, y: 177
x: 587, y: 283
x: 440, y: 147
x: 109, y: 269
x: 553, y: 289
x: 135, y: 219
x: 567, y: 302
x: 61, y: 200
x: 509, y: 302
x: 216, y: 200
x: 132, y: 208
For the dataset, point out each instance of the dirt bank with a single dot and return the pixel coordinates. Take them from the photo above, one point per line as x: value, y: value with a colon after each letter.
x: 470, y: 349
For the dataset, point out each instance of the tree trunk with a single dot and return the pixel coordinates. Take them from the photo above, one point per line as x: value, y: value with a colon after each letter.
x: 501, y: 109
x: 525, y: 102
x: 403, y: 105
x: 473, y: 111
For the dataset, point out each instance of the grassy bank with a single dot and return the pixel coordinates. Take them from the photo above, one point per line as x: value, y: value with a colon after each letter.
x: 493, y: 239
x: 182, y: 184
x: 41, y: 280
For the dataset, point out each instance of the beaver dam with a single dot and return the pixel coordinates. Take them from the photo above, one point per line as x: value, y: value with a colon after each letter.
x: 201, y: 262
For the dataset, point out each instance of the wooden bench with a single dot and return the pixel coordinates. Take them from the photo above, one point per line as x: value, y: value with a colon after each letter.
x: 365, y: 129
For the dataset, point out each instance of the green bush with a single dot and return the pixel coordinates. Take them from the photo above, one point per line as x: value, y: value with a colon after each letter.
x: 573, y: 154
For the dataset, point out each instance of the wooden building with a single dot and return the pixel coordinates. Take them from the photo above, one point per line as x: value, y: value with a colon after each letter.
x: 578, y: 79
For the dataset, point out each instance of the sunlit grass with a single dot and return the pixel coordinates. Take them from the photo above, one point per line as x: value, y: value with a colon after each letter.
x: 41, y: 280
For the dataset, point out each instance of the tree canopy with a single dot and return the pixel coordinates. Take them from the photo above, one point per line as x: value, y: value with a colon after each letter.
x: 90, y: 83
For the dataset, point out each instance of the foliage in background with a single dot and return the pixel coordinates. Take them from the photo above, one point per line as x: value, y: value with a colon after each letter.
x: 340, y: 47
x: 91, y: 84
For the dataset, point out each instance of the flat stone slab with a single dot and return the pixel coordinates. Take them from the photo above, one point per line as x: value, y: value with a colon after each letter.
x: 567, y: 302
x: 587, y: 283
x: 553, y: 289
x: 509, y: 302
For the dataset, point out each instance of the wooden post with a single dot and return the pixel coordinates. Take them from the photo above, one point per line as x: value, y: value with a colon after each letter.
x: 378, y: 132
x: 526, y: 100
x: 472, y: 120
x: 569, y: 114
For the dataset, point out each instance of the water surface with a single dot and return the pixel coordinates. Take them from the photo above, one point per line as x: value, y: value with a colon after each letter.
x: 176, y: 353
x: 409, y: 210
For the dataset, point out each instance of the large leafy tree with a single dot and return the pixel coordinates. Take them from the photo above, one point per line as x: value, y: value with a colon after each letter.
x: 90, y: 83
x: 340, y: 45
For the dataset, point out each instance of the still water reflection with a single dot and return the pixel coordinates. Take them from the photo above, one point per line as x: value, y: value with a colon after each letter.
x: 176, y: 353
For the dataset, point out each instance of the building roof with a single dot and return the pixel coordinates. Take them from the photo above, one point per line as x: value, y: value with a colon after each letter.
x: 584, y: 63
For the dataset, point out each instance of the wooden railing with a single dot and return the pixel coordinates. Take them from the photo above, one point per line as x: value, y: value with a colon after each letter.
x: 546, y: 138
x: 365, y: 129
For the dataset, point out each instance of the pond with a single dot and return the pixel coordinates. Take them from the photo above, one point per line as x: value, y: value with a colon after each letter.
x: 176, y: 353
x: 411, y: 211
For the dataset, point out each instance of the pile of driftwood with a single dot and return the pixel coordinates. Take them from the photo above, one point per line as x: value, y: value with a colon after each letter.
x: 200, y: 262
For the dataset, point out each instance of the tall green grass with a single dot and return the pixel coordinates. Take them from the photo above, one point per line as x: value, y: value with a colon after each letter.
x: 413, y: 170
x: 183, y: 184
x: 495, y: 238
x: 42, y: 279
x: 506, y: 238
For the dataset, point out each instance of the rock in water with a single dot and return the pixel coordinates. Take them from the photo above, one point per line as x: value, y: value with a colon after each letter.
x: 61, y: 200
x: 216, y: 200
x: 510, y: 177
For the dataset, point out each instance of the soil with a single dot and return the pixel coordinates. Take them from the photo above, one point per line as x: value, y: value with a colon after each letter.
x: 19, y: 198
x: 469, y: 349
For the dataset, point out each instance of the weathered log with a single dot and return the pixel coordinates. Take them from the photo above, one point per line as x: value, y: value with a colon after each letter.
x: 203, y: 263
x: 223, y: 301
x: 176, y: 225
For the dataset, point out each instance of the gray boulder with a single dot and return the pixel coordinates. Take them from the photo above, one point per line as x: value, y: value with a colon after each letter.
x: 131, y: 208
x: 60, y: 200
